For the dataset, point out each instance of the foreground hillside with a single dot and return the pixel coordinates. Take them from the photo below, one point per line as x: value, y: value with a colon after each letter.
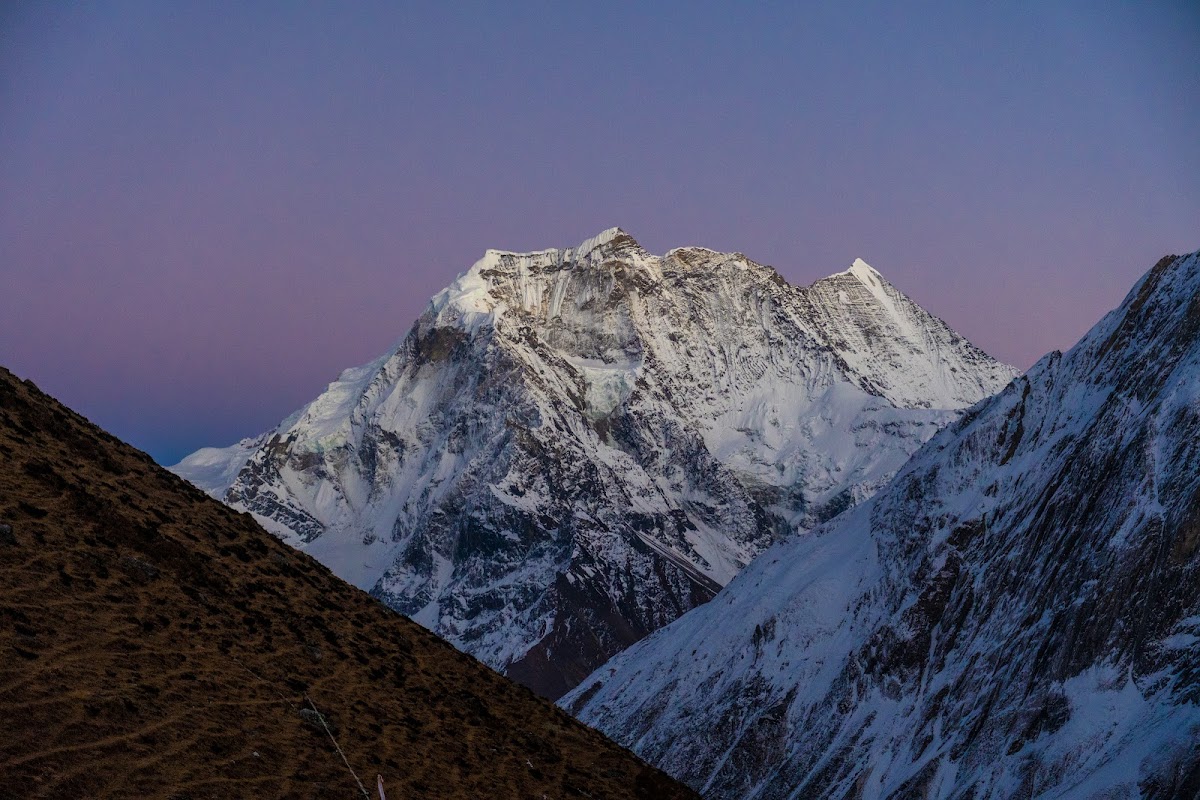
x: 155, y: 643
x: 573, y: 447
x: 1016, y: 615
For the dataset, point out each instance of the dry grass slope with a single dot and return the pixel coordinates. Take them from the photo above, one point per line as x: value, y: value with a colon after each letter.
x: 154, y: 643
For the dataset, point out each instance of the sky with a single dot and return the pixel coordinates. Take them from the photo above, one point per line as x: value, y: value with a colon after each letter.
x: 208, y: 210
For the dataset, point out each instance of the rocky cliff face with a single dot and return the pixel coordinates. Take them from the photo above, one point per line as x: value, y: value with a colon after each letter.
x: 571, y: 448
x: 1017, y: 614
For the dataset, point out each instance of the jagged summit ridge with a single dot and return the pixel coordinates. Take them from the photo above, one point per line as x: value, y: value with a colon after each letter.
x: 611, y: 238
x: 573, y: 446
x: 474, y: 291
x: 1017, y: 613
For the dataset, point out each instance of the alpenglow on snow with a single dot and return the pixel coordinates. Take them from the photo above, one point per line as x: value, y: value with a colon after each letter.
x: 571, y: 448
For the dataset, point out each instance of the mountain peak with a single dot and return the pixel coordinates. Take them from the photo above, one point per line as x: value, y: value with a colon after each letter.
x: 615, y: 238
x: 887, y: 611
x: 612, y: 238
x: 864, y: 272
x: 471, y: 295
x: 483, y: 466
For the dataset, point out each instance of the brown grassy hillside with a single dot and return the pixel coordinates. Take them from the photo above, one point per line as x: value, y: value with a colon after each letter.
x: 154, y: 643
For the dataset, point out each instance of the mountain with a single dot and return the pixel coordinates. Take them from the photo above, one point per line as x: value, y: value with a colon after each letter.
x: 158, y: 644
x: 571, y: 448
x: 1017, y: 614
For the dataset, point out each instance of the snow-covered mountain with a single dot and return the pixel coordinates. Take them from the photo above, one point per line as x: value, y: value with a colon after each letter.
x: 571, y: 448
x: 1017, y: 614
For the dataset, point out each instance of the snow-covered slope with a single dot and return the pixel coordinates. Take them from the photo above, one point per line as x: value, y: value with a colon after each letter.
x: 214, y: 469
x: 1017, y: 614
x: 573, y: 447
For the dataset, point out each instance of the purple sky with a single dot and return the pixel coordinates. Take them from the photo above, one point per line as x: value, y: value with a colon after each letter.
x: 207, y: 212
